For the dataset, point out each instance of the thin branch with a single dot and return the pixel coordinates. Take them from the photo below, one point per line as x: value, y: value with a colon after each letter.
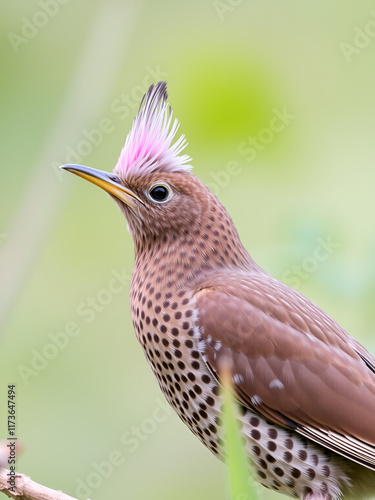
x: 26, y: 489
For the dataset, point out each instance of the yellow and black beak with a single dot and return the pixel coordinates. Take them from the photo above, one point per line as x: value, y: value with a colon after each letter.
x: 107, y: 181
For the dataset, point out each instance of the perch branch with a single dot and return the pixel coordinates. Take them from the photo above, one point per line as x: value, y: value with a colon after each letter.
x: 26, y: 489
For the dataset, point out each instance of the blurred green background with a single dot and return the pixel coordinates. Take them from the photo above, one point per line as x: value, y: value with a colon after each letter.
x: 294, y: 79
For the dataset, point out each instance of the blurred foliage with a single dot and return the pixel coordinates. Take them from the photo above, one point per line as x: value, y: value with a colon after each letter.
x: 72, y: 87
x: 241, y: 482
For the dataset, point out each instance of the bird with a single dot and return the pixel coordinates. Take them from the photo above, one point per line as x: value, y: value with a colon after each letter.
x: 304, y: 386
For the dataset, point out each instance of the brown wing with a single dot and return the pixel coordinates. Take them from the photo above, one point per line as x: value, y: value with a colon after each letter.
x: 291, y: 362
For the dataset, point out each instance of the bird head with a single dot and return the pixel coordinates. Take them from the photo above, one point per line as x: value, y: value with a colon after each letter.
x: 161, y: 199
x: 152, y: 182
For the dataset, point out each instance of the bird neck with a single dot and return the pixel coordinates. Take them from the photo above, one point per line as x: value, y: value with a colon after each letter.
x: 191, y: 254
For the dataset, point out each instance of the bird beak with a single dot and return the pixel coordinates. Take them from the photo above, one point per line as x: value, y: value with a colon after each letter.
x: 107, y: 181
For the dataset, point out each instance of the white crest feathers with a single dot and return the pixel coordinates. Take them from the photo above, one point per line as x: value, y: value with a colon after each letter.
x: 148, y: 145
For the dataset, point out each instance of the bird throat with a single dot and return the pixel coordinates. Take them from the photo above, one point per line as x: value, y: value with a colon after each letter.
x: 172, y: 261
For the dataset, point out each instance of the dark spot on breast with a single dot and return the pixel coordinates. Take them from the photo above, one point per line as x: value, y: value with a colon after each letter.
x: 255, y: 434
x: 310, y: 473
x: 271, y: 445
x: 326, y: 470
x: 324, y: 488
x: 290, y: 482
x: 262, y: 463
x: 288, y: 443
x: 296, y: 473
x: 210, y: 401
x: 278, y: 471
x: 203, y: 414
x: 192, y: 394
x: 272, y: 433
x: 197, y: 389
x: 254, y: 421
x: 261, y: 474
x: 255, y: 450
x: 216, y: 390
x: 288, y: 457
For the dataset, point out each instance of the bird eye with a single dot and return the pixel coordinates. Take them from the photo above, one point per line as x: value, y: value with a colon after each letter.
x: 160, y: 193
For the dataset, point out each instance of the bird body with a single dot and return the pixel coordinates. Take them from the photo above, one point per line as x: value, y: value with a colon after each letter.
x: 306, y: 388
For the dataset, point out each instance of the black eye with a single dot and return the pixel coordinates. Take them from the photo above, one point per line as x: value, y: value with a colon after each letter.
x: 159, y: 193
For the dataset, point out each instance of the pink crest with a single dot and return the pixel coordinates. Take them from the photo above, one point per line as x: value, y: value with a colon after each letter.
x: 148, y: 145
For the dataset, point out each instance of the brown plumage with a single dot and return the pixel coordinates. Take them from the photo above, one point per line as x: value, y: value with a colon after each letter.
x: 305, y: 386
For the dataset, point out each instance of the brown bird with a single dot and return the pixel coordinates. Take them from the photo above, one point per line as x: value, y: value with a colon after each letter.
x: 305, y: 386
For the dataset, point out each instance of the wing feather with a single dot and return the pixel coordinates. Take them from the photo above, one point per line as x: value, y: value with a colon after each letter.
x: 291, y: 362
